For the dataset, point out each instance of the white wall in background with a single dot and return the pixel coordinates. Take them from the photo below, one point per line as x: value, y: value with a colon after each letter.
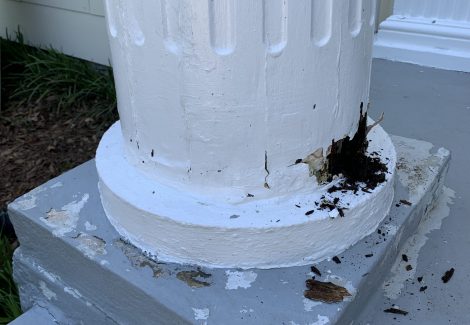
x: 75, y: 27
x: 430, y: 33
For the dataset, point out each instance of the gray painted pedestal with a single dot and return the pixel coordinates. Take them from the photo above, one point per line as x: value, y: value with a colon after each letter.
x: 73, y: 265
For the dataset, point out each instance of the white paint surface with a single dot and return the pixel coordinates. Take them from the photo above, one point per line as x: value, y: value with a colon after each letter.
x: 236, y: 279
x: 89, y: 226
x: 217, y: 101
x: 28, y: 201
x: 431, y: 221
x: 65, y: 220
x: 206, y: 91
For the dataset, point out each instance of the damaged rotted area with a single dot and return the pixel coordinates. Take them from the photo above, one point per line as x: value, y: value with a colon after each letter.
x: 348, y: 157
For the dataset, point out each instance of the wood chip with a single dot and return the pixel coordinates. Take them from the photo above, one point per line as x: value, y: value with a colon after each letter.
x: 405, y: 202
x: 325, y: 291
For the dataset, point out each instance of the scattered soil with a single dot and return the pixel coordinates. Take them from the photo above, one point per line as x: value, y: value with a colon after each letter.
x: 325, y: 291
x: 348, y: 157
x: 448, y: 275
x: 404, y: 257
x: 336, y: 260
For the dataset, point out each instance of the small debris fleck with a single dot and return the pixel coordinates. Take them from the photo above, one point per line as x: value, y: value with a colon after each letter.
x: 336, y: 260
x: 409, y: 267
x: 405, y: 202
x: 369, y: 255
x: 250, y: 195
x: 448, y: 275
x: 298, y: 206
x: 420, y: 278
x: 315, y: 270
x: 309, y: 212
x: 234, y: 216
x: 422, y: 289
x: 394, y: 310
x: 404, y: 257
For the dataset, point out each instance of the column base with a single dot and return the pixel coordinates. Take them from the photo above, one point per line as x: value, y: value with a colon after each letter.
x: 424, y: 41
x: 173, y: 226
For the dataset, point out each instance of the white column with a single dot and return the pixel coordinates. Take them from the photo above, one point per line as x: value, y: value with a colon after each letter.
x: 430, y: 33
x: 217, y: 100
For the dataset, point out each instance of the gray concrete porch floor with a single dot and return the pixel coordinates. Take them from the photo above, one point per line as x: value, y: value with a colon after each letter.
x: 432, y: 105
x: 421, y: 103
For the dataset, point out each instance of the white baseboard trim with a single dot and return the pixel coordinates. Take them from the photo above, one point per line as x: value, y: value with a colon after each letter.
x: 441, y: 44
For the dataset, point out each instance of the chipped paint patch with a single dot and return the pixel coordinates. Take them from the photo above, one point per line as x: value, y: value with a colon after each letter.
x: 73, y: 292
x: 65, y: 220
x: 321, y: 320
x: 201, y: 313
x: 28, y: 201
x: 91, y: 245
x: 50, y: 276
x: 195, y: 279
x: 48, y: 293
x: 246, y: 311
x: 310, y: 304
x: 431, y: 221
x: 236, y: 279
x: 55, y: 185
x: 90, y: 227
x: 137, y: 258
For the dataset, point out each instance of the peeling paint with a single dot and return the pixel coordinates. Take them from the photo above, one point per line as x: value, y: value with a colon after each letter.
x: 48, y: 293
x: 90, y: 227
x: 236, y: 279
x: 137, y: 258
x: 431, y: 221
x: 65, y: 220
x: 28, y: 201
x: 91, y: 245
x: 195, y: 279
x: 55, y: 185
x: 73, y: 292
x: 201, y: 313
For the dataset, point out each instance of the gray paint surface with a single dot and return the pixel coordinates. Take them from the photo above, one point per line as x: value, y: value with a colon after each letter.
x: 122, y: 286
x: 430, y: 104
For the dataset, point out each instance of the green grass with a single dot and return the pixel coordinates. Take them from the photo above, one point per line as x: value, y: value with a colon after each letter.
x: 32, y: 75
x: 9, y: 300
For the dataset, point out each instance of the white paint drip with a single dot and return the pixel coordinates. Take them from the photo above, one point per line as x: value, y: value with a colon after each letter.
x: 48, y: 293
x: 201, y: 313
x: 65, y: 220
x: 432, y: 221
x: 310, y: 304
x: 236, y: 279
x: 90, y: 227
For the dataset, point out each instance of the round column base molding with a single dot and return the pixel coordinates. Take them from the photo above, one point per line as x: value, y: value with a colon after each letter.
x: 296, y: 229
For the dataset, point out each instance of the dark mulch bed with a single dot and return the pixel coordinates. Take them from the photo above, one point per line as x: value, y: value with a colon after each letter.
x: 37, y: 145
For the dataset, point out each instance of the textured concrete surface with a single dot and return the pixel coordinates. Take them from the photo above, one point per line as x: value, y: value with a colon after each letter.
x: 72, y: 260
x: 430, y: 104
